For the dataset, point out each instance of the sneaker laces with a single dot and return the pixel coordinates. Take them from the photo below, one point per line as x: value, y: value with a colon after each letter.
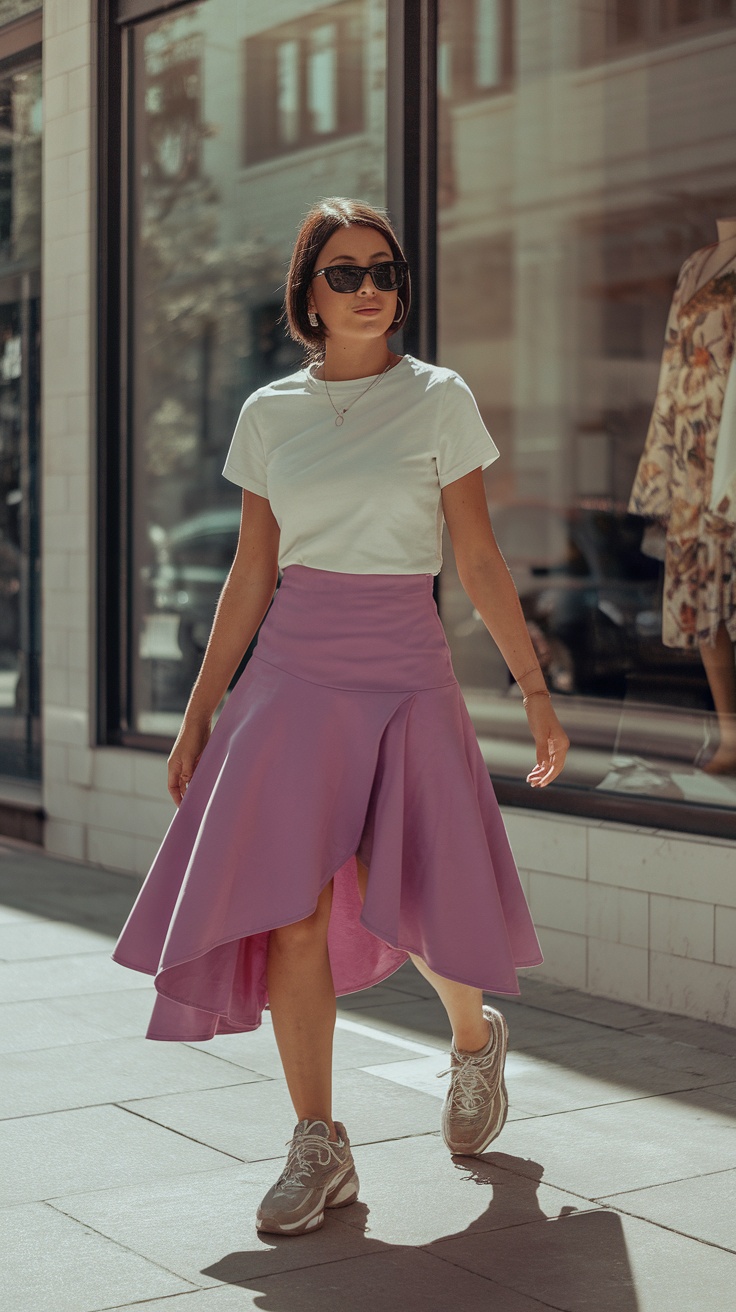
x: 306, y: 1152
x: 469, y: 1087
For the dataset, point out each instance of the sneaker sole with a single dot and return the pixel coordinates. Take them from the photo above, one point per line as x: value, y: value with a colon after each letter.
x: 341, y: 1193
x: 495, y: 1129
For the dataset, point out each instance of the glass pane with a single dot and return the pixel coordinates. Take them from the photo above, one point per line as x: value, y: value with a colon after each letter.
x: 288, y: 90
x: 628, y: 21
x: 211, y: 242
x: 12, y: 9
x: 20, y: 256
x: 322, y: 78
x: 566, y: 213
x: 488, y: 44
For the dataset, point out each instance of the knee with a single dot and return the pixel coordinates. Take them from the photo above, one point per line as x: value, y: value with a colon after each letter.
x: 304, y: 936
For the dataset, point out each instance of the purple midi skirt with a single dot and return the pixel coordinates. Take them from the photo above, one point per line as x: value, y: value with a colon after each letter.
x: 346, y: 733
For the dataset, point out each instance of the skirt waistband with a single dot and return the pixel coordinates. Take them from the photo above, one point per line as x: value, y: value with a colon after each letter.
x: 369, y: 632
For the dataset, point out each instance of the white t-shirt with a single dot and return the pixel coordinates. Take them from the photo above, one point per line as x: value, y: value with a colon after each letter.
x: 362, y: 498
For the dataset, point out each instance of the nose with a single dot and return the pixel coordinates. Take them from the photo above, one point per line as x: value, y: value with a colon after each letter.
x: 368, y: 274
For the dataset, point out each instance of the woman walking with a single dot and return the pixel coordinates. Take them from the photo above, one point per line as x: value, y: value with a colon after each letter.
x: 339, y: 817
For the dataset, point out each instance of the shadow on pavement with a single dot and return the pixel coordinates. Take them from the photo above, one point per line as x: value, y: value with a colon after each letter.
x: 577, y: 1260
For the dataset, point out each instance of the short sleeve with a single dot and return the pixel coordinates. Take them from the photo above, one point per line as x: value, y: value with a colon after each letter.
x: 246, y: 459
x: 463, y: 441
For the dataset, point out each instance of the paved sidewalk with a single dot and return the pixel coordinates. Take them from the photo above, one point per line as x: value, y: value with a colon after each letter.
x: 131, y: 1170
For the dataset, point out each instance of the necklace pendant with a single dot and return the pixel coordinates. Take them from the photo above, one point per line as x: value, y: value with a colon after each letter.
x: 340, y: 420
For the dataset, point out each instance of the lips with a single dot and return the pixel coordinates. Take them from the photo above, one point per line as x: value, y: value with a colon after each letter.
x: 369, y: 310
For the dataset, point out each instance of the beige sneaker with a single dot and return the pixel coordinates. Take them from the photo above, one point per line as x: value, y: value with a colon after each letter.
x: 475, y: 1109
x: 318, y: 1174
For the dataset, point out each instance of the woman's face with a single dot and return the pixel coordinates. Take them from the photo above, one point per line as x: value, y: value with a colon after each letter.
x: 366, y: 313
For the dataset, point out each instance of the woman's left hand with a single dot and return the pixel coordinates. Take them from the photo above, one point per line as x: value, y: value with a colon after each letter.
x: 551, y: 740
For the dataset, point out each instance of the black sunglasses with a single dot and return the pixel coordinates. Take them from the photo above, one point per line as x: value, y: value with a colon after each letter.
x: 387, y: 277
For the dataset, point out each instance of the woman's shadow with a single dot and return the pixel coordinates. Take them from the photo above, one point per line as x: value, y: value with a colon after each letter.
x: 573, y: 1261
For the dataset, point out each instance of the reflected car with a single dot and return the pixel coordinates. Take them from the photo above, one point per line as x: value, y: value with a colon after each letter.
x: 592, y: 601
x: 182, y: 586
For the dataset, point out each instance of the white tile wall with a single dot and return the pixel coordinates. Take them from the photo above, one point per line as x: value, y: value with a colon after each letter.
x: 682, y: 927
x: 644, y: 907
x: 725, y: 936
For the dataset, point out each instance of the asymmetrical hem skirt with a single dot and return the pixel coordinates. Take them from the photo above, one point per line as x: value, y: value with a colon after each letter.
x: 346, y: 734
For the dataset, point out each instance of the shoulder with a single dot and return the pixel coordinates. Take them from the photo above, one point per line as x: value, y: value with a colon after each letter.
x: 436, y: 378
x: 257, y: 401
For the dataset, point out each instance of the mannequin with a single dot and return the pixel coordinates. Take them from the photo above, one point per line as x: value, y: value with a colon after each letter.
x: 694, y: 417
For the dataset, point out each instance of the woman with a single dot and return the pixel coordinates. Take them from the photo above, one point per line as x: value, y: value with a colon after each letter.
x: 339, y: 816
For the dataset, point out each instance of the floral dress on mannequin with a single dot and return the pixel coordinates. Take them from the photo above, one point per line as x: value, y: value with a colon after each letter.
x: 674, y: 478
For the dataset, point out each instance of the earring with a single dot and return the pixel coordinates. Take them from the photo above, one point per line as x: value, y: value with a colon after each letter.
x: 401, y: 311
x: 312, y: 318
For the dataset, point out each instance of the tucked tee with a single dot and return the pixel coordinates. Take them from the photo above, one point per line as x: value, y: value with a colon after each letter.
x: 363, y: 497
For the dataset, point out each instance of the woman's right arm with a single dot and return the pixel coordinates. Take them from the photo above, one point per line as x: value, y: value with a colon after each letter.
x: 243, y: 602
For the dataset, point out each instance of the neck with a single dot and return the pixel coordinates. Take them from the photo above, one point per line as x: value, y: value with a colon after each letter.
x: 353, y: 360
x: 726, y: 229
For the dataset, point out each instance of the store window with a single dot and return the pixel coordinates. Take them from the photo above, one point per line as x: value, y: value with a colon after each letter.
x: 20, y: 257
x: 207, y: 248
x: 566, y: 210
x: 304, y: 81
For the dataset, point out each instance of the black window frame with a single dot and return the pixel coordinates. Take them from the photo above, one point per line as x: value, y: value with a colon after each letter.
x: 412, y: 40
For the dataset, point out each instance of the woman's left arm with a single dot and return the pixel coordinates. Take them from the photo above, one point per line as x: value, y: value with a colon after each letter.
x: 487, y: 581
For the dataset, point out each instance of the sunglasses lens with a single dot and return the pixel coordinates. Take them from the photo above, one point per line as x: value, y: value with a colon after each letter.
x: 387, y: 277
x: 342, y: 278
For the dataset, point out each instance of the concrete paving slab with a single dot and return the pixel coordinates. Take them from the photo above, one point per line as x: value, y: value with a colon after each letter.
x: 53, y: 1264
x: 25, y: 1026
x: 95, y: 1148
x: 122, y: 1014
x: 257, y: 1051
x: 601, y: 1262
x: 37, y: 940
x: 423, y: 1194
x: 582, y: 1006
x: 219, y: 1298
x: 627, y: 1145
x: 696, y: 1033
x: 399, y: 1278
x: 253, y: 1121
x: 95, y: 972
x: 108, y: 1070
x: 426, y: 1018
x: 703, y: 1209
x: 378, y: 996
x: 612, y: 1068
x: 14, y: 916
x: 188, y: 1223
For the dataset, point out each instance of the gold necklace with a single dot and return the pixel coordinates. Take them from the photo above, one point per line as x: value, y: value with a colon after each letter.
x: 342, y: 413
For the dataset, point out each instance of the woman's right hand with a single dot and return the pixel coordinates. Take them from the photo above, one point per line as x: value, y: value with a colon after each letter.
x: 191, y: 742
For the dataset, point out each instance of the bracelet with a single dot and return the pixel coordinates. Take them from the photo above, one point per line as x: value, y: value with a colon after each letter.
x: 539, y: 692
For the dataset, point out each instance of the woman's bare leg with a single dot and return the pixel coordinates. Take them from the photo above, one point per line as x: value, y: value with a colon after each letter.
x: 720, y: 670
x: 301, y: 996
x: 463, y: 1004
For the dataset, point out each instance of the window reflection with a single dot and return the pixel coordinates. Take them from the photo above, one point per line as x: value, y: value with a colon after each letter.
x: 566, y: 211
x: 305, y: 80
x: 210, y: 243
x: 20, y: 252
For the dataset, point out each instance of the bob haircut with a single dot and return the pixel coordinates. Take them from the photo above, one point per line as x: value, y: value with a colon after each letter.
x: 317, y: 227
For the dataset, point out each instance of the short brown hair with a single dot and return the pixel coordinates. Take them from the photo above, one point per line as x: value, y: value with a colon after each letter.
x: 317, y: 227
